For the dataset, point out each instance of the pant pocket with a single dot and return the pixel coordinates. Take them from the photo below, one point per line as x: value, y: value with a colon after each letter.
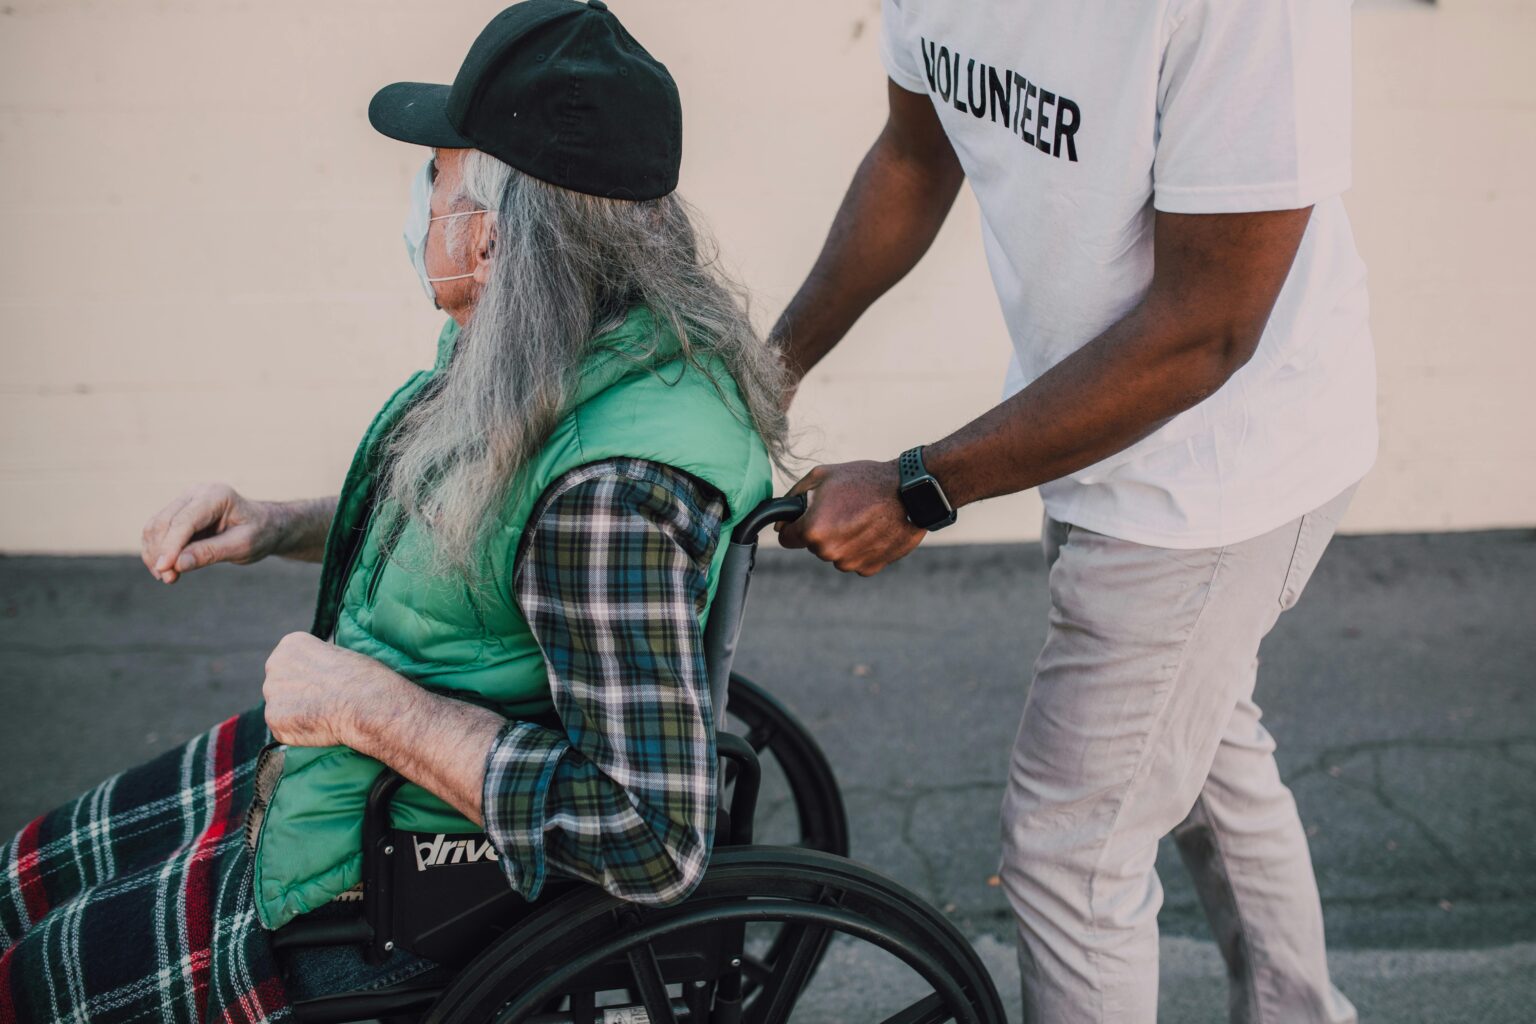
x: 1313, y: 533
x: 1295, y: 578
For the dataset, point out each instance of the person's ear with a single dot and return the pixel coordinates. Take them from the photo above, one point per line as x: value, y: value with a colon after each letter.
x: 484, y: 247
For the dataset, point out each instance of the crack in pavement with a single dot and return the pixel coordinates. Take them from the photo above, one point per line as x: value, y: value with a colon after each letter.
x: 1330, y: 762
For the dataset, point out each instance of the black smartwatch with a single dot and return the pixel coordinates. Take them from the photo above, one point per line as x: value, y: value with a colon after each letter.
x: 925, y: 501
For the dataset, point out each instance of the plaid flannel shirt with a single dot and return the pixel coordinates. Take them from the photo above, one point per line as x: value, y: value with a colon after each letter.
x: 612, y: 578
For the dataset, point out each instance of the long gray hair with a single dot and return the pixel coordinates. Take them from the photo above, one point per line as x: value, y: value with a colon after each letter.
x: 566, y: 266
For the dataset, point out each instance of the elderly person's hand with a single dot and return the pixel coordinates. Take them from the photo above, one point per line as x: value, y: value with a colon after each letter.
x: 321, y: 695
x: 210, y: 523
x: 317, y: 694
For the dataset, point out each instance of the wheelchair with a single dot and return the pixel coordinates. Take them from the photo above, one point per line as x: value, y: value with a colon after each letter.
x: 741, y: 949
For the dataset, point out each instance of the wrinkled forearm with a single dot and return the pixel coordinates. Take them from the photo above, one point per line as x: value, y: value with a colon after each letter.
x: 437, y: 742
x: 303, y: 525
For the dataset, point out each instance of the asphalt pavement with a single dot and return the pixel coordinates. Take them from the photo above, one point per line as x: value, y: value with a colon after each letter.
x: 1401, y: 690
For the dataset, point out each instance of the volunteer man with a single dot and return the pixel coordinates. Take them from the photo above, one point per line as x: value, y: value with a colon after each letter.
x: 1192, y: 390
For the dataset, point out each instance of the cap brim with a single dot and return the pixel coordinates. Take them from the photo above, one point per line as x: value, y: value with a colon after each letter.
x: 415, y: 112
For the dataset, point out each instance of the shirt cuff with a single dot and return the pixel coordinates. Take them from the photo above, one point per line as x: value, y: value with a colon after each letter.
x: 1251, y: 198
x: 518, y: 773
x: 895, y: 69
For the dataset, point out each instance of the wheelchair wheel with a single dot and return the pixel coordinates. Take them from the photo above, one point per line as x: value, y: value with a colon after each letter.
x: 800, y: 804
x: 589, y: 957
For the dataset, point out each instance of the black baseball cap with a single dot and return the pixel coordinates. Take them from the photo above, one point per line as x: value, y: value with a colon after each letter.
x: 559, y: 90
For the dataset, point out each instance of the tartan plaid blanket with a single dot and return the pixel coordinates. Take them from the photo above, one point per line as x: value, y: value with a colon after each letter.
x: 134, y: 902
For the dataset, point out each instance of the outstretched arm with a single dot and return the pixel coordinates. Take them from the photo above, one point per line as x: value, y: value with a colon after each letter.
x: 209, y: 523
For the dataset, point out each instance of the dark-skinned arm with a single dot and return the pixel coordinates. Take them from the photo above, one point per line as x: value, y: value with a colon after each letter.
x: 893, y: 209
x: 1215, y: 280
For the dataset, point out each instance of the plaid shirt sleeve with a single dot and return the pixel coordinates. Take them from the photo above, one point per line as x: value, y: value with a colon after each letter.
x: 612, y: 579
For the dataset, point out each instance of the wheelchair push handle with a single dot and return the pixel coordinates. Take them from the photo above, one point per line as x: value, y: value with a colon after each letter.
x: 730, y: 601
x: 774, y: 510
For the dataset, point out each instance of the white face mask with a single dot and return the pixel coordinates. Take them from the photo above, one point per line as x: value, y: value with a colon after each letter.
x: 418, y: 221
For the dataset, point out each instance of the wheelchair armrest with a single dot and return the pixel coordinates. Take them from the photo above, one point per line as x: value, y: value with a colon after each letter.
x: 749, y: 775
x: 374, y: 926
x: 377, y: 890
x: 339, y: 931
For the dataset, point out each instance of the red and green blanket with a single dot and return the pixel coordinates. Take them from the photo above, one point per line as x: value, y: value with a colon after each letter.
x: 133, y: 903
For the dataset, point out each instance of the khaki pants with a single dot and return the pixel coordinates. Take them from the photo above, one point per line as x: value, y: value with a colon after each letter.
x: 1141, y: 721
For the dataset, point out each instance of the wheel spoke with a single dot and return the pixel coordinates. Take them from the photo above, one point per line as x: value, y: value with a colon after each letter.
x: 653, y: 990
x: 791, y: 970
x: 930, y: 1010
x: 754, y: 975
x: 755, y: 969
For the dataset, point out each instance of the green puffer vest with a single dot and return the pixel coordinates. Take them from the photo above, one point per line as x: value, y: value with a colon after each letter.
x: 637, y: 398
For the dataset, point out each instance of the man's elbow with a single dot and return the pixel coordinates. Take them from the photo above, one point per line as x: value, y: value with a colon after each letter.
x: 1211, y: 356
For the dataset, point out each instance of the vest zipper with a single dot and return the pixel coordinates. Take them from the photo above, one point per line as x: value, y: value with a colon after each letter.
x: 353, y: 556
x: 386, y: 545
x: 269, y: 770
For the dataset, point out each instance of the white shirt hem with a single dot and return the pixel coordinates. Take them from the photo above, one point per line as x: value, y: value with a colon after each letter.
x: 1303, y: 501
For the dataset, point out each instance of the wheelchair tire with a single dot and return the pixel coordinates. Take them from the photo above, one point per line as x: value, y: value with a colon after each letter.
x: 589, y: 942
x: 786, y: 747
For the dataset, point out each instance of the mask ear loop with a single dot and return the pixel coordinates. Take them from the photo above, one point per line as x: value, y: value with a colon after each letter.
x: 449, y: 216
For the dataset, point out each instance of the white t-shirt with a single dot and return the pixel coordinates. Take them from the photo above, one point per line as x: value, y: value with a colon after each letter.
x: 1074, y: 120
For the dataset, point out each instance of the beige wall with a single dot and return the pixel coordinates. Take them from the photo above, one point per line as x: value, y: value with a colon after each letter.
x: 202, y: 275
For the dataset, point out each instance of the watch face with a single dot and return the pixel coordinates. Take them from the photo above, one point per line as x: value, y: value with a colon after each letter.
x: 925, y: 502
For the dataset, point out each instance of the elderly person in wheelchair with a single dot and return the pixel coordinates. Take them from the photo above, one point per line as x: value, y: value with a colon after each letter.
x: 506, y: 689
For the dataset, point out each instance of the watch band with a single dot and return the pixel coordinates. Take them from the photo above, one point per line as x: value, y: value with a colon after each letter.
x: 911, y: 465
x: 921, y: 494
